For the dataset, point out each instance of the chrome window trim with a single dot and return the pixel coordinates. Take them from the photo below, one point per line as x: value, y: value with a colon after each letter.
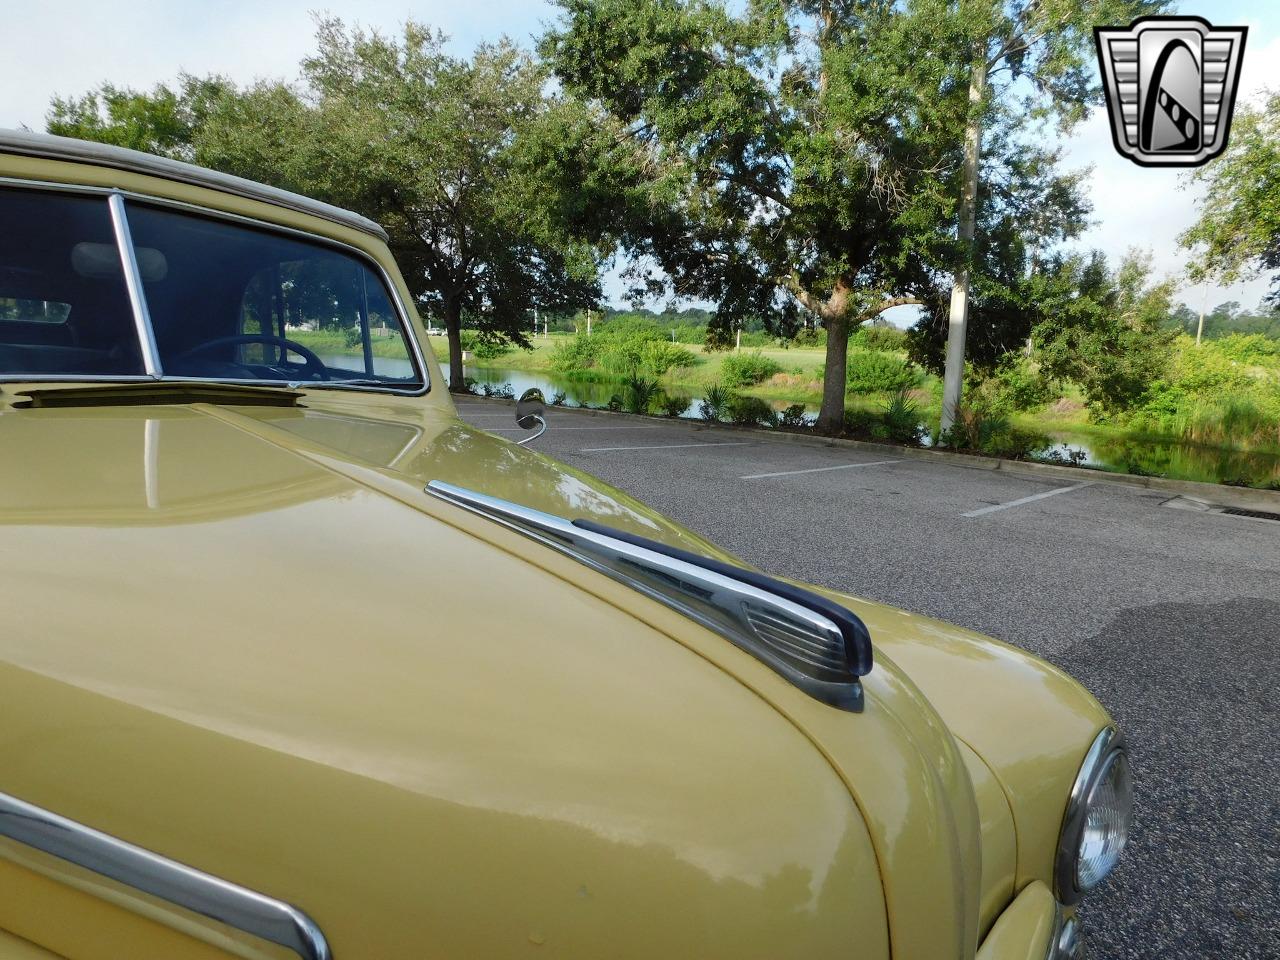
x: 1107, y: 742
x: 596, y: 551
x: 239, y: 908
x: 402, y: 313
x: 133, y: 284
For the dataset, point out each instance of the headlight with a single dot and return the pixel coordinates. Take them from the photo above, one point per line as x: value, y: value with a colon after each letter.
x: 1099, y: 815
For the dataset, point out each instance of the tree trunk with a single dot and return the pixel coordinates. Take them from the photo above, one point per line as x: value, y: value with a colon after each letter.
x: 953, y: 380
x: 453, y: 327
x: 831, y: 414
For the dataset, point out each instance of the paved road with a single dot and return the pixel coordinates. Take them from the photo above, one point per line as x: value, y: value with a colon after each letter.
x: 1171, y: 617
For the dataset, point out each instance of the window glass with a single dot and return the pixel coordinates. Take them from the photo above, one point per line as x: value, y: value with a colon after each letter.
x: 236, y: 302
x: 64, y: 308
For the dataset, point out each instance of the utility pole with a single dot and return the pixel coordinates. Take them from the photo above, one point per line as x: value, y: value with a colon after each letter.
x: 1204, y: 303
x: 953, y: 380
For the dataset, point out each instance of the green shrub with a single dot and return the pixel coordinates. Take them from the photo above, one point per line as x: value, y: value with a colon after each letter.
x: 793, y: 418
x: 873, y: 372
x: 352, y: 337
x: 747, y: 369
x: 879, y: 338
x: 639, y: 394
x: 901, y: 420
x: 991, y: 434
x: 614, y: 404
x: 482, y: 348
x: 750, y: 412
x: 671, y: 405
x: 558, y: 398
x: 1015, y: 386
x: 714, y: 402
x: 578, y: 353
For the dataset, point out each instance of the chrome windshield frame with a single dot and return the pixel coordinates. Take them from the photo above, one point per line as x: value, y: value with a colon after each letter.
x: 152, y: 875
x: 133, y: 285
x: 142, y: 320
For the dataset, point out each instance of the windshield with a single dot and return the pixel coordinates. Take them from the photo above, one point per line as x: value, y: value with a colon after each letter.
x: 225, y: 301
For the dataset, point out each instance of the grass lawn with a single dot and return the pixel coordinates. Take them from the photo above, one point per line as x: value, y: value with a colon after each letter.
x: 335, y: 345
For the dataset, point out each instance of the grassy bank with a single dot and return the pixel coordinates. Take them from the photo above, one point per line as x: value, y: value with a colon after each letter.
x: 333, y: 344
x: 1216, y: 417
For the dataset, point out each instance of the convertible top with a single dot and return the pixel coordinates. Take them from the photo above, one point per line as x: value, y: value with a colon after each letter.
x: 101, y: 154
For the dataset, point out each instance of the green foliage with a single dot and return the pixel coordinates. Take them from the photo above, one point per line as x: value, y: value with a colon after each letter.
x: 640, y: 393
x: 615, y: 404
x: 558, y: 398
x: 1103, y: 330
x: 672, y: 405
x: 902, y: 420
x: 1015, y: 386
x: 503, y: 392
x: 1224, y: 392
x: 747, y: 411
x: 621, y: 349
x: 747, y: 369
x: 870, y: 371
x: 715, y: 402
x: 482, y: 346
x: 877, y: 337
x: 793, y: 418
x: 1238, y: 233
x: 352, y: 336
x: 991, y: 434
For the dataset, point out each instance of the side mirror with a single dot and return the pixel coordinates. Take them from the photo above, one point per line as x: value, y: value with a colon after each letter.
x: 529, y: 413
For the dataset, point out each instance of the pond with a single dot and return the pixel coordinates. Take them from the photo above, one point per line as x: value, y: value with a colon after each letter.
x: 1144, y: 456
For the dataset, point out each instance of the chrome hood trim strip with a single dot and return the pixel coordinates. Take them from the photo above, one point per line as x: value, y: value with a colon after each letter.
x: 781, y: 625
x: 237, y: 907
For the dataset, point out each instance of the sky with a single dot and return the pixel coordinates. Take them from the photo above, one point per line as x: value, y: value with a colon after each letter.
x: 66, y: 47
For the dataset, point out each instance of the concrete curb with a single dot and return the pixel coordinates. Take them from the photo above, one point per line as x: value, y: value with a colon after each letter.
x: 1245, y: 498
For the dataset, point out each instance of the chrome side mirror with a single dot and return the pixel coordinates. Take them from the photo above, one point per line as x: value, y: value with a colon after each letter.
x: 529, y: 413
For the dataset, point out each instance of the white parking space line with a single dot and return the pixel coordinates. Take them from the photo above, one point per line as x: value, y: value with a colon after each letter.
x: 1031, y: 499
x: 792, y: 473
x: 665, y: 446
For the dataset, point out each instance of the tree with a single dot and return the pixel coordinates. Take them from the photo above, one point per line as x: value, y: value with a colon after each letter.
x: 1238, y: 233
x: 790, y: 155
x: 469, y: 164
x: 164, y: 121
x: 1030, y: 59
x: 1104, y: 330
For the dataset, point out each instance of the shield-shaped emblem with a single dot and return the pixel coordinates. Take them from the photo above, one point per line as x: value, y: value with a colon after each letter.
x: 1171, y: 87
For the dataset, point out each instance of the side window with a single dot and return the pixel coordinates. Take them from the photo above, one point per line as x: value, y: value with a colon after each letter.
x: 64, y: 308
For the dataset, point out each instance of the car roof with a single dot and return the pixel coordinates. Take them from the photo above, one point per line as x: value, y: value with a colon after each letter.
x: 85, y: 151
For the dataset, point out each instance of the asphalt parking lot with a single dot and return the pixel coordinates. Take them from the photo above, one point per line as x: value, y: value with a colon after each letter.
x: 1170, y: 616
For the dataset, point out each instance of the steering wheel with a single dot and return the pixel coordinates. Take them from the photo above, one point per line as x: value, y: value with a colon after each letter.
x: 313, y: 365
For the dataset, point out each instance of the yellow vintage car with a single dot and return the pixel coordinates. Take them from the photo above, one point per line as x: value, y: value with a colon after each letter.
x: 294, y: 663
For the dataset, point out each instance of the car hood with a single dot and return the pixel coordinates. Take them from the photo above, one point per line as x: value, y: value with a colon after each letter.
x: 263, y: 650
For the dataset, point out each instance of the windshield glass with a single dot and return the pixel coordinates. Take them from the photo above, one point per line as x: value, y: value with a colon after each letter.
x: 226, y: 301
x: 64, y: 308
x: 237, y: 303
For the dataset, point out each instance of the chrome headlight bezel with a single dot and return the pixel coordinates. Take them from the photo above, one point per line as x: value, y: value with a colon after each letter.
x: 1106, y: 753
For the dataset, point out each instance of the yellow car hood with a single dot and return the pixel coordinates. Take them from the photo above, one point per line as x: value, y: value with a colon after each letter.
x: 244, y: 638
